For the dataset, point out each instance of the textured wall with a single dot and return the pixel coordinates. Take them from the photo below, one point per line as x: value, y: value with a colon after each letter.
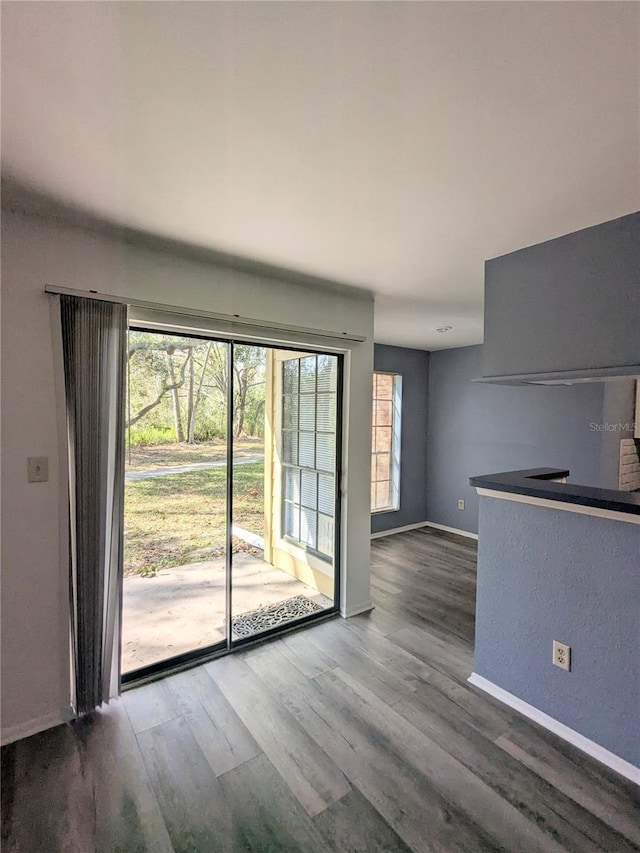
x: 544, y: 575
x: 413, y: 365
x: 482, y: 429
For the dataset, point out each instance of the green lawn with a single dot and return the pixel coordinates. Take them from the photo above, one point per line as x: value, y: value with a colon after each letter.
x: 178, y: 519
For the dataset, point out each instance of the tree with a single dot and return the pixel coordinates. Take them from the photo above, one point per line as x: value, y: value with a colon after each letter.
x: 248, y: 380
x: 195, y: 402
x: 175, y: 385
x: 181, y: 384
x: 247, y: 362
x: 151, y: 348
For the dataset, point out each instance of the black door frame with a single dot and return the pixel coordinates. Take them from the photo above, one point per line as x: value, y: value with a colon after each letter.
x: 186, y: 660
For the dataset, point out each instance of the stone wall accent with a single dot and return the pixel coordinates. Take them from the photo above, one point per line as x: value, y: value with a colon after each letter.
x: 629, y: 471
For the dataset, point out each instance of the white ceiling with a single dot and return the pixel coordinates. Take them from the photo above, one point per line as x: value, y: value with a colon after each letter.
x: 391, y: 146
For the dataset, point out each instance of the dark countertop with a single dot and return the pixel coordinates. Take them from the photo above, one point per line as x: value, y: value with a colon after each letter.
x: 538, y: 483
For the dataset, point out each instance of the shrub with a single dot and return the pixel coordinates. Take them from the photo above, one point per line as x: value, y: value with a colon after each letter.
x: 145, y: 436
x: 208, y: 430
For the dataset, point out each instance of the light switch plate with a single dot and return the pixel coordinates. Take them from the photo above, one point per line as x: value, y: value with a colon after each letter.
x: 37, y: 469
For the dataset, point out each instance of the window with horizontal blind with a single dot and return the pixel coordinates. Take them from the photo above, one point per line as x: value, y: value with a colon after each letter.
x: 385, y: 442
x: 309, y: 402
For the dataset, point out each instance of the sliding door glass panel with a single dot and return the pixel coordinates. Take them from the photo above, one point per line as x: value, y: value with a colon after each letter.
x: 252, y: 582
x: 175, y: 498
x: 287, y: 572
x: 230, y: 511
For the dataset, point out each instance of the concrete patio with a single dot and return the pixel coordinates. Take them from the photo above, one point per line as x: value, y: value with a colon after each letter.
x: 183, y: 608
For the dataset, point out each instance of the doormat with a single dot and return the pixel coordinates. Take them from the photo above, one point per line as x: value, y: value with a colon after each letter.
x: 273, y: 615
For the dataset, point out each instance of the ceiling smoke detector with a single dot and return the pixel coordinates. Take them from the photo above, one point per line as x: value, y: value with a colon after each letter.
x: 443, y: 329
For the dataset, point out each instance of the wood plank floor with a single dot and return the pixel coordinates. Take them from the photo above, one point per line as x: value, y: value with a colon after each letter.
x: 358, y: 736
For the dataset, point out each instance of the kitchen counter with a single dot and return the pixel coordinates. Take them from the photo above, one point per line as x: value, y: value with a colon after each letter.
x: 562, y: 562
x: 548, y: 484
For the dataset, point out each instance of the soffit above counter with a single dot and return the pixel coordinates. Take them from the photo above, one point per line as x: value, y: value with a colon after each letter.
x: 567, y: 310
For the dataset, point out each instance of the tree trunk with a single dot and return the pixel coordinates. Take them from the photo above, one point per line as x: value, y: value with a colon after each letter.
x: 241, y: 402
x: 177, y: 414
x: 196, y: 402
x: 190, y: 401
x: 259, y: 413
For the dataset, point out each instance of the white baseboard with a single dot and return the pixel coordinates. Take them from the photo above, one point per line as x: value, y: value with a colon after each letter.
x: 604, y: 756
x: 357, y: 610
x: 32, y: 727
x: 425, y: 524
x: 455, y: 530
x: 399, y: 529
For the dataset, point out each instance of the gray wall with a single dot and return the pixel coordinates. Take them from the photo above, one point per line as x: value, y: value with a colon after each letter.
x: 483, y: 429
x: 413, y: 365
x: 567, y: 304
x: 618, y: 411
x: 544, y: 575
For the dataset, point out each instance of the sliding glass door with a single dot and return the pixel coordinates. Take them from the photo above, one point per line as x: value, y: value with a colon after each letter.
x: 175, y: 517
x: 231, y: 498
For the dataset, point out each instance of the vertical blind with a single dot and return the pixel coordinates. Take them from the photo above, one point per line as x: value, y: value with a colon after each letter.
x: 94, y: 352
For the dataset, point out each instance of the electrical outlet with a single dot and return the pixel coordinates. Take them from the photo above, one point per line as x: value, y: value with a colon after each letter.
x: 460, y: 504
x: 562, y: 655
x: 37, y: 469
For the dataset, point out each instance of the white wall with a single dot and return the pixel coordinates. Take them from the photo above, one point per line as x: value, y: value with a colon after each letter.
x: 35, y: 252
